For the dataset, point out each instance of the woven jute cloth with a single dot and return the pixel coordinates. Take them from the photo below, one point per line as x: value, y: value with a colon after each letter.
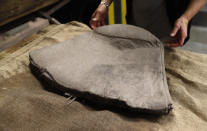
x: 26, y: 105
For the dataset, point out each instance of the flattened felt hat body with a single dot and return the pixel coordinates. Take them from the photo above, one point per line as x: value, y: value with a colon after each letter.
x: 115, y: 64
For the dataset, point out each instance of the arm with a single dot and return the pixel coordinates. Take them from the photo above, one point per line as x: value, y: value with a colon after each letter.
x: 99, y: 15
x: 181, y: 25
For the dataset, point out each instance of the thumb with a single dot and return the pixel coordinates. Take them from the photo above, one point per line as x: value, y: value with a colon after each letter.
x: 175, y: 30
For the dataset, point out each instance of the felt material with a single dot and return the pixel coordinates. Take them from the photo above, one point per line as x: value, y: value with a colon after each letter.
x: 121, y: 63
x: 26, y: 105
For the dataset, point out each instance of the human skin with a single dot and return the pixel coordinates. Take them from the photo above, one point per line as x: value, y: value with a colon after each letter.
x: 179, y: 30
x: 99, y: 15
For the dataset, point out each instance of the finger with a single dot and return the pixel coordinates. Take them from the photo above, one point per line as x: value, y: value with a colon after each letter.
x: 182, y: 38
x: 175, y: 30
x: 170, y: 41
x: 173, y: 45
x: 93, y: 15
x: 102, y: 23
x: 93, y: 26
x: 93, y: 23
x: 98, y: 16
x: 98, y: 24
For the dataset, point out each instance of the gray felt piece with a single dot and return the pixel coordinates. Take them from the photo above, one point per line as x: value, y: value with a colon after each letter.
x: 116, y: 64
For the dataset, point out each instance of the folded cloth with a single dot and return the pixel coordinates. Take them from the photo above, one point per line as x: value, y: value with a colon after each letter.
x: 117, y: 65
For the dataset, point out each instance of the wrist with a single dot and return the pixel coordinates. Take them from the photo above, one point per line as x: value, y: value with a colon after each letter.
x: 185, y: 18
x: 102, y: 8
x: 106, y: 3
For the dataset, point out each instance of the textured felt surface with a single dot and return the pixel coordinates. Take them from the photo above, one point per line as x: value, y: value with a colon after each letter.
x: 119, y: 62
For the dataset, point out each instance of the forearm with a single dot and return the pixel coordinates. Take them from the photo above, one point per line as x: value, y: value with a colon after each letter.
x: 193, y: 8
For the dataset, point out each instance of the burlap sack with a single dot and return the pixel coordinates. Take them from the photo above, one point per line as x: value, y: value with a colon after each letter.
x: 118, y: 65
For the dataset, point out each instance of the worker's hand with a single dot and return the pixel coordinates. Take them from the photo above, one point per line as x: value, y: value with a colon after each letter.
x: 179, y: 32
x: 98, y: 16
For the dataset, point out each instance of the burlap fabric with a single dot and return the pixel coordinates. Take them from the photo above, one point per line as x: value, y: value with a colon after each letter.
x: 26, y: 105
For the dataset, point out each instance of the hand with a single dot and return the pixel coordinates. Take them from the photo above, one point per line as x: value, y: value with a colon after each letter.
x: 179, y: 32
x: 98, y: 16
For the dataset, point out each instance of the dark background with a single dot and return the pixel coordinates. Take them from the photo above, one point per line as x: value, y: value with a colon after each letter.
x: 79, y: 10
